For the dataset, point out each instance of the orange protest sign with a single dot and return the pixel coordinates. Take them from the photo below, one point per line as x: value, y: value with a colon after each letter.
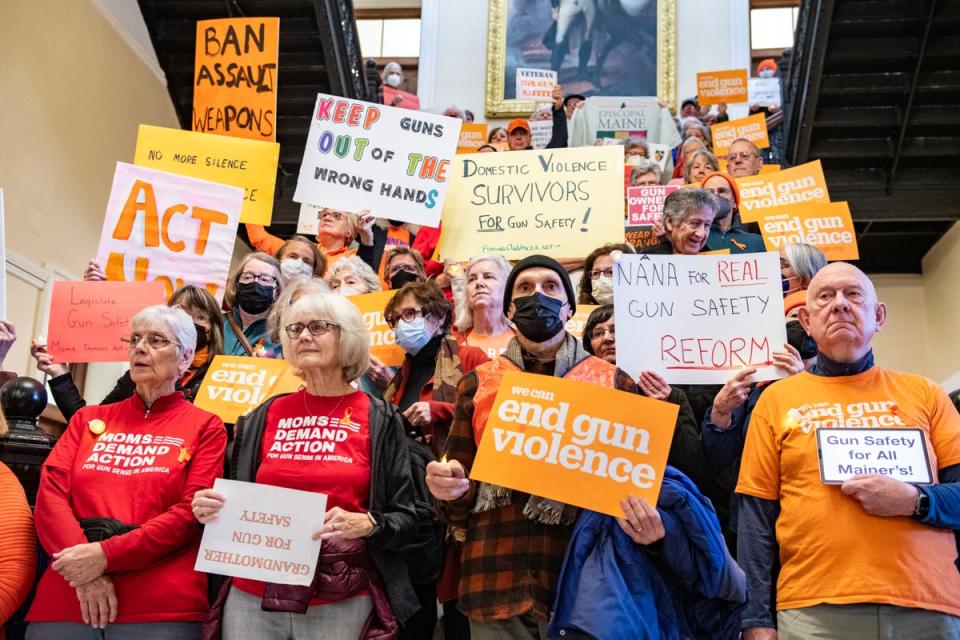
x: 382, y: 343
x: 576, y: 324
x: 722, y: 86
x: 752, y: 128
x: 581, y: 444
x: 828, y: 227
x: 88, y: 319
x: 473, y: 135
x: 236, y: 384
x: 803, y: 184
x: 235, y: 77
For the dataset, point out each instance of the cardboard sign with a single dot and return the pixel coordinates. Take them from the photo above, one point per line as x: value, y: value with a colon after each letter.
x: 367, y: 156
x: 400, y: 99
x: 88, y: 319
x: 170, y: 228
x: 241, y: 163
x: 576, y: 323
x: 752, y: 128
x: 235, y: 78
x: 764, y: 92
x: 473, y: 135
x: 535, y: 84
x: 236, y: 384
x: 541, y: 131
x: 699, y: 319
x: 263, y: 533
x: 828, y: 227
x: 802, y: 184
x: 309, y: 220
x: 3, y: 260
x: 897, y: 453
x: 645, y: 204
x: 383, y: 345
x: 559, y: 202
x: 722, y: 86
x: 581, y: 444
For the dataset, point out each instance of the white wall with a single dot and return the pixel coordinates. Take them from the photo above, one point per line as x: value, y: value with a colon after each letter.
x: 711, y: 35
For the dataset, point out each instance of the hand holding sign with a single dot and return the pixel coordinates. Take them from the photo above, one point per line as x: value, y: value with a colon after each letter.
x: 881, y: 495
x: 206, y: 505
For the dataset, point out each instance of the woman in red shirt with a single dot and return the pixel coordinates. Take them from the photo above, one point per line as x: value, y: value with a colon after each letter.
x: 113, y: 507
x: 328, y: 438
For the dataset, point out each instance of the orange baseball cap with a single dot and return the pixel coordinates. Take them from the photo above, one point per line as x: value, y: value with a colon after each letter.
x: 519, y: 123
x: 730, y: 180
x: 794, y: 300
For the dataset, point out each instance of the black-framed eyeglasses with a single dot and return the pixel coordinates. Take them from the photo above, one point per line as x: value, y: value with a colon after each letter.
x: 154, y: 340
x: 397, y: 268
x: 264, y: 278
x: 315, y: 327
x: 597, y: 333
x: 596, y: 273
x: 407, y: 315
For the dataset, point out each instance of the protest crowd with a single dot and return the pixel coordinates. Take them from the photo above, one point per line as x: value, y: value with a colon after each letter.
x: 395, y: 372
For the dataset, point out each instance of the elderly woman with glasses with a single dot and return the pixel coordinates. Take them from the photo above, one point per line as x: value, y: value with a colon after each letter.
x: 332, y: 439
x: 596, y: 286
x: 113, y: 507
x: 251, y: 292
x: 336, y: 231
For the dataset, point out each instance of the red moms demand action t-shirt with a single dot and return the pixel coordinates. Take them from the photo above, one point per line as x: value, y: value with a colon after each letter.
x: 319, y: 444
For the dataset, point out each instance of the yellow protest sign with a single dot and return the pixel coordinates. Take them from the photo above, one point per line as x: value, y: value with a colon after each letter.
x: 382, y: 343
x: 235, y: 78
x: 722, y: 86
x: 576, y: 324
x: 752, y: 128
x: 236, y: 384
x: 237, y: 162
x: 803, y: 184
x: 560, y: 202
x: 581, y: 444
x: 828, y: 227
x: 473, y: 135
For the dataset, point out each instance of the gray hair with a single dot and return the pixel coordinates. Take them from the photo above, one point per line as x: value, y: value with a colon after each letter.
x: 178, y: 324
x: 646, y: 166
x: 358, y: 267
x: 677, y: 205
x: 805, y: 259
x: 694, y: 123
x: 637, y: 142
x: 353, y: 346
x: 464, y: 314
x: 708, y: 157
x: 295, y: 289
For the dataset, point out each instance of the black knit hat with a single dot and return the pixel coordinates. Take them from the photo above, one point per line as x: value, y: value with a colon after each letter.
x: 546, y: 262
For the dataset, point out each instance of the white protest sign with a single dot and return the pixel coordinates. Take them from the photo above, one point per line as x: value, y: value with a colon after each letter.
x: 263, y: 533
x: 645, y: 204
x: 392, y: 161
x: 3, y: 261
x: 699, y: 319
x: 535, y: 84
x: 764, y: 91
x: 659, y: 153
x: 898, y: 453
x: 308, y: 221
x: 540, y: 133
x: 171, y: 228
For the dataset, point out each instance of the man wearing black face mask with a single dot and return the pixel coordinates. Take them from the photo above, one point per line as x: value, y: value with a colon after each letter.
x: 376, y: 241
x: 727, y: 231
x: 515, y: 542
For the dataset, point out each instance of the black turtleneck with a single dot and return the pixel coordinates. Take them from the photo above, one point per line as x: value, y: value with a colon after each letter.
x: 831, y: 368
x: 422, y: 367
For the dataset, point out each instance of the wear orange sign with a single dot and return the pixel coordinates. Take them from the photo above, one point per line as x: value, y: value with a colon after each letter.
x: 382, y: 343
x: 236, y: 384
x: 88, y: 319
x: 752, y: 128
x: 803, y: 184
x: 235, y: 77
x: 580, y: 444
x: 828, y: 227
x: 722, y: 86
x: 473, y: 135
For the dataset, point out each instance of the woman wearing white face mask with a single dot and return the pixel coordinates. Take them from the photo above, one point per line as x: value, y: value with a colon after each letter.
x: 299, y: 258
x: 392, y: 75
x: 596, y: 286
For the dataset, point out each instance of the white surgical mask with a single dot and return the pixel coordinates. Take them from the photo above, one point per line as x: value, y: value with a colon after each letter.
x: 291, y: 268
x: 603, y: 290
x: 766, y: 73
x: 394, y: 79
x: 634, y: 159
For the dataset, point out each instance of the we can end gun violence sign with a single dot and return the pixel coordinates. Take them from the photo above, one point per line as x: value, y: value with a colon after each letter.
x: 560, y: 202
x: 699, y: 319
x: 391, y: 161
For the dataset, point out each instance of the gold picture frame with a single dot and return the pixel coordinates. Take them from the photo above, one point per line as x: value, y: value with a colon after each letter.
x: 498, y: 106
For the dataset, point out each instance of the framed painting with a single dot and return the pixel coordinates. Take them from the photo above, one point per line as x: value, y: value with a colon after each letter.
x: 597, y: 47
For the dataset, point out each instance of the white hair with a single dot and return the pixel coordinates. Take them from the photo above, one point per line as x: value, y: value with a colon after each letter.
x: 355, y: 265
x: 178, y: 324
x: 353, y: 345
x: 464, y: 315
x: 805, y: 259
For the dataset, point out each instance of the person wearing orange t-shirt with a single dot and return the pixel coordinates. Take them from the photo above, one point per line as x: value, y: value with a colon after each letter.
x: 479, y: 294
x: 871, y: 556
x: 336, y: 231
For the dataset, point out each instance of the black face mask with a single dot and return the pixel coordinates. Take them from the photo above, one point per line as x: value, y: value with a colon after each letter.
x: 395, y: 223
x: 537, y: 317
x: 401, y: 278
x: 784, y: 283
x: 202, y: 338
x: 724, y: 208
x: 254, y: 297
